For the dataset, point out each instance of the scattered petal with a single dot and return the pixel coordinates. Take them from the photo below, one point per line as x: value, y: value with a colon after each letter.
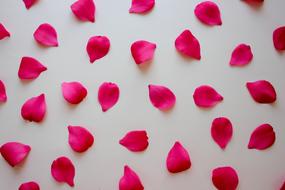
x: 141, y: 6
x: 241, y: 55
x: 79, y: 138
x: 222, y: 131
x: 34, y: 109
x: 262, y: 137
x: 262, y: 91
x: 225, y: 178
x: 30, y: 68
x: 142, y: 51
x: 29, y: 186
x: 29, y: 3
x: 62, y: 170
x: 161, y: 97
x: 3, y: 95
x: 279, y: 38
x: 73, y: 92
x: 108, y: 95
x: 97, y: 47
x: 135, y: 141
x: 205, y: 96
x: 46, y: 35
x: 208, y: 13
x: 3, y: 32
x: 84, y: 10
x: 130, y: 180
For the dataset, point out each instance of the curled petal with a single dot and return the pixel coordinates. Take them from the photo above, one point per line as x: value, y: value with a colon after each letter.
x: 262, y: 137
x: 208, y: 13
x: 3, y: 95
x: 30, y: 68
x: 108, y: 95
x: 84, y: 10
x: 73, y: 92
x: 79, y: 138
x: 279, y: 38
x: 135, y: 141
x: 178, y: 159
x: 29, y: 3
x: 141, y: 6
x: 222, y: 131
x: 34, y: 109
x: 262, y: 91
x: 225, y: 178
x: 97, y: 47
x: 130, y: 180
x: 14, y: 152
x: 62, y: 170
x: 29, y: 186
x: 205, y: 96
x: 142, y: 51
x: 46, y: 35
x: 161, y: 97
x: 3, y: 32
x: 241, y: 55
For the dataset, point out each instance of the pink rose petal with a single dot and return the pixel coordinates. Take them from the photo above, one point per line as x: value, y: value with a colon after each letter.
x: 3, y: 95
x: 135, y: 141
x: 73, y: 92
x: 14, y: 152
x: 62, y: 170
x: 161, y: 97
x: 3, y: 32
x: 225, y: 178
x: 29, y: 186
x: 97, y: 47
x: 262, y: 91
x: 79, y: 138
x: 222, y: 131
x: 142, y: 51
x: 178, y: 159
x: 262, y: 137
x: 141, y: 6
x: 46, y: 35
x: 34, y: 109
x: 84, y: 10
x: 205, y: 96
x: 130, y: 180
x: 30, y: 68
x: 279, y: 38
x: 208, y: 13
x: 29, y: 3
x: 108, y: 95
x: 283, y: 186
x: 241, y: 55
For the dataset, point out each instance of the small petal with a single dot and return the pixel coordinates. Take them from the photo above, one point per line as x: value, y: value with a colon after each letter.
x: 46, y: 35
x: 14, y: 152
x: 30, y: 68
x: 73, y: 92
x: 79, y: 138
x: 130, y: 180
x: 29, y: 186
x: 62, y: 170
x: 108, y: 95
x: 161, y: 97
x: 205, y: 96
x: 29, y: 3
x: 3, y: 32
x: 135, y: 141
x: 178, y: 159
x: 262, y: 137
x: 241, y: 55
x: 262, y: 91
x: 3, y: 95
x: 142, y: 51
x: 84, y: 10
x: 97, y: 47
x: 208, y: 13
x: 34, y: 109
x: 222, y: 131
x: 279, y: 38
x: 225, y: 178
x: 141, y: 6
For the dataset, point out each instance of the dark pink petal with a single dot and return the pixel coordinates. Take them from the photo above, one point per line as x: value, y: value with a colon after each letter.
x: 14, y: 152
x: 188, y: 45
x: 29, y: 186
x: 97, y: 47
x: 73, y: 92
x: 29, y: 3
x: 141, y: 6
x: 3, y: 95
x: 46, y: 35
x: 62, y: 170
x: 225, y: 178
x: 283, y: 186
x: 262, y: 137
x: 135, y: 141
x: 205, y: 96
x: 108, y: 95
x: 30, y: 68
x: 208, y: 13
x: 161, y: 97
x: 241, y: 55
x: 130, y: 180
x: 79, y: 138
x: 279, y: 38
x: 142, y: 51
x: 34, y: 109
x: 3, y: 32
x: 222, y: 131
x: 178, y: 159
x: 262, y: 91
x: 84, y: 10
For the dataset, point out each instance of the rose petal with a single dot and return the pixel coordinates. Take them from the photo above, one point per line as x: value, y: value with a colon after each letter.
x: 283, y: 186
x: 62, y: 170
x: 79, y: 138
x: 34, y: 109
x: 279, y: 38
x: 135, y: 141
x: 225, y: 178
x: 130, y: 180
x: 141, y: 6
x: 29, y: 186
x: 142, y: 51
x: 208, y: 13
x: 161, y: 97
x: 29, y: 3
x: 73, y: 92
x: 188, y: 45
x: 205, y: 96
x: 178, y: 159
x: 108, y: 95
x: 97, y: 47
x: 84, y: 10
x: 46, y: 35
x: 3, y: 95
x: 222, y: 131
x: 3, y: 32
x: 241, y: 55
x: 14, y: 152
x: 262, y: 137
x: 262, y: 91
x: 30, y: 68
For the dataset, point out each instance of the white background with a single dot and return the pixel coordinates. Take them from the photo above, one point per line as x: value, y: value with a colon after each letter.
x: 101, y: 167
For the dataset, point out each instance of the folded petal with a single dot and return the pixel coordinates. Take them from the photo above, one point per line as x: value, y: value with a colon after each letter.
x: 73, y: 92
x: 14, y: 152
x: 130, y: 180
x: 161, y: 97
x: 108, y: 95
x: 34, y: 109
x: 62, y: 170
x: 225, y: 178
x: 135, y: 141
x: 29, y: 3
x: 84, y: 10
x: 222, y: 131
x: 3, y: 95
x: 46, y: 35
x: 279, y: 38
x: 262, y: 91
x: 241, y: 55
x: 79, y: 138
x: 205, y: 96
x: 142, y: 51
x: 30, y: 68
x: 29, y: 186
x: 208, y: 13
x: 262, y: 137
x: 3, y: 32
x: 141, y: 6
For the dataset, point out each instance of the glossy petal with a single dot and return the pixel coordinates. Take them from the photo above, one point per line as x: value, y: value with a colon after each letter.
x: 84, y: 10
x: 262, y: 91
x: 29, y: 186
x: 130, y: 180
x: 225, y: 178
x: 73, y: 92
x: 262, y: 137
x: 141, y: 6
x: 79, y: 138
x: 3, y: 32
x: 108, y: 95
x: 135, y: 141
x: 34, y: 109
x: 142, y: 51
x: 208, y: 13
x: 97, y: 47
x: 46, y: 35
x: 29, y: 3
x: 221, y: 131
x: 205, y: 96
x: 241, y: 55
x: 161, y: 97
x: 279, y: 38
x: 62, y: 170
x: 30, y: 68
x: 3, y: 95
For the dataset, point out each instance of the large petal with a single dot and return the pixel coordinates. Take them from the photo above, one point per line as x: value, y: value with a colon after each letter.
x: 30, y: 68
x: 31, y: 185
x: 79, y: 138
x: 141, y: 6
x: 34, y: 109
x: 135, y: 141
x: 262, y: 137
x: 3, y: 95
x: 130, y: 180
x: 62, y: 170
x: 208, y: 13
x: 46, y: 35
x: 225, y: 178
x: 205, y: 96
x: 84, y: 10
x: 97, y: 47
x: 3, y: 32
x: 142, y: 51
x: 73, y: 92
x: 262, y: 91
x: 222, y: 131
x: 29, y: 3
x: 279, y: 38
x: 108, y: 95
x: 161, y: 97
x: 241, y: 55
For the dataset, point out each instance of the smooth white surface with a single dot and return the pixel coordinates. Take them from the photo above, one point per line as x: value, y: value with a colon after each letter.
x: 101, y: 167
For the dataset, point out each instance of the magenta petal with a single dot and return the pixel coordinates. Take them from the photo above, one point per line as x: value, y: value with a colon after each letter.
x: 46, y: 35
x: 279, y: 38
x: 205, y: 96
x: 221, y: 131
x: 97, y: 47
x: 161, y: 97
x: 29, y: 3
x: 108, y: 95
x: 14, y: 152
x: 84, y: 10
x: 62, y: 170
x: 30, y: 68
x: 34, y: 109
x: 208, y: 13
x: 3, y: 95
x: 142, y: 51
x: 262, y: 91
x: 141, y: 6
x: 79, y: 138
x: 241, y: 55
x: 135, y: 141
x: 130, y: 180
x: 29, y: 186
x: 178, y: 159
x: 73, y: 92
x: 225, y: 178
x: 3, y: 32
x: 262, y: 137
